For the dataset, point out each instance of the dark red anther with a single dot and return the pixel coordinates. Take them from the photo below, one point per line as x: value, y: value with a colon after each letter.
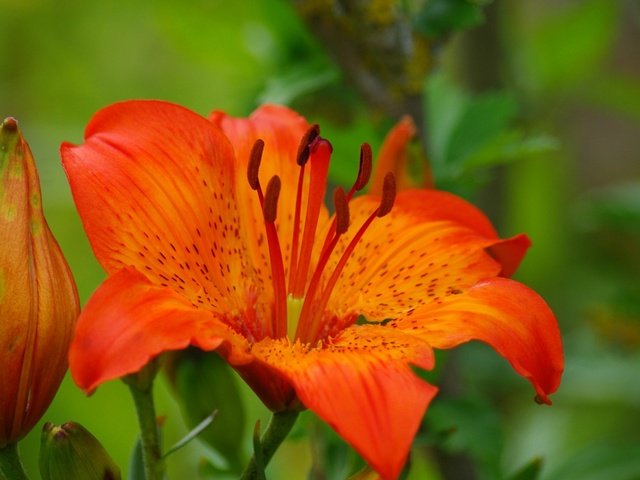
x: 364, y: 171
x: 388, y: 194
x: 255, y: 157
x: 342, y: 210
x: 307, y: 139
x: 271, y: 199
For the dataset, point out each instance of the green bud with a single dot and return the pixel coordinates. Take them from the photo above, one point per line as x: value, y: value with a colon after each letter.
x: 70, y: 451
x: 204, y: 383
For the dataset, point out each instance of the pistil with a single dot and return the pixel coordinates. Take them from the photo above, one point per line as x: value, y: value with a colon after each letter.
x: 319, y: 155
x: 301, y: 159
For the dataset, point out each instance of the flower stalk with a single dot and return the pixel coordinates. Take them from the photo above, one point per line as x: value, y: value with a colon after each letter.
x: 10, y: 463
x: 141, y: 388
x: 279, y: 427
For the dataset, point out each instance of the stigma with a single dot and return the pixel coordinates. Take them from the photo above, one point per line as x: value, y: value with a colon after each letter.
x: 300, y: 301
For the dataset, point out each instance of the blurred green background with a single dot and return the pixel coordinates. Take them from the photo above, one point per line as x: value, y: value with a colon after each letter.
x: 532, y: 110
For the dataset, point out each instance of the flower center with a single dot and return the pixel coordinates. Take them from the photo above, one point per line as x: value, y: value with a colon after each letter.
x: 300, y: 303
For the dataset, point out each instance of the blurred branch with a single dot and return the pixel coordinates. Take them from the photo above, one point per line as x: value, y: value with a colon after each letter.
x: 375, y: 45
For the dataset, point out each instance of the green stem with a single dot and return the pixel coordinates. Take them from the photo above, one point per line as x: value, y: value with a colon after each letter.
x: 279, y: 427
x: 10, y: 464
x: 141, y: 387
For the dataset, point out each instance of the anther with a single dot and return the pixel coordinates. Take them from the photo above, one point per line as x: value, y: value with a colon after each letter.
x: 364, y: 171
x: 255, y: 157
x: 271, y: 199
x: 342, y: 211
x: 388, y: 194
x: 307, y: 139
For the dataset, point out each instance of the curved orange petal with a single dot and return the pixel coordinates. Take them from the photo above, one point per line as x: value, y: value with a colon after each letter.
x: 431, y: 245
x: 507, y: 315
x: 361, y: 384
x: 154, y: 186
x: 393, y: 156
x: 128, y: 321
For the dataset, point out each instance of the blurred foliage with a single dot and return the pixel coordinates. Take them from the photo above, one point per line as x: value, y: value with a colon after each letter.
x: 569, y: 80
x: 203, y: 383
x: 438, y: 18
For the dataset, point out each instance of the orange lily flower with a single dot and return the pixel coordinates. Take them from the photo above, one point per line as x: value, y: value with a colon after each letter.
x: 213, y: 233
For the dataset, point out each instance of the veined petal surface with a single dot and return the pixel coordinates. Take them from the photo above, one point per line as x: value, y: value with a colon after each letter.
x: 154, y: 184
x: 129, y: 320
x: 430, y: 246
x: 362, y: 385
x: 507, y: 315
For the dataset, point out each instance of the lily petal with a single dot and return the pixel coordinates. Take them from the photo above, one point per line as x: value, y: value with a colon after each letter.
x: 393, y: 156
x: 128, y: 321
x: 154, y: 186
x: 281, y: 129
x: 507, y: 315
x: 362, y: 386
x: 431, y: 245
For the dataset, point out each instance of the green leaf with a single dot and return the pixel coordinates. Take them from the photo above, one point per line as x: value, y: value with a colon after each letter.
x: 613, y: 462
x: 446, y: 104
x: 297, y: 82
x: 136, y: 464
x: 202, y: 382
x: 530, y: 471
x: 441, y: 17
x: 257, y: 452
x: 509, y: 146
x: 197, y: 430
x: 469, y: 425
x: 484, y: 118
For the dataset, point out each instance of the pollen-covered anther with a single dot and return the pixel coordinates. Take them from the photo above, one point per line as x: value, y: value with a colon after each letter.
x: 271, y: 199
x: 305, y: 142
x: 364, y: 171
x: 388, y: 195
x: 253, y: 168
x: 342, y: 211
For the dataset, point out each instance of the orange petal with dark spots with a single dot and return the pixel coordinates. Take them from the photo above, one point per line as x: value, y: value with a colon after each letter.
x: 281, y: 129
x: 128, y: 321
x: 431, y: 245
x: 507, y: 315
x: 362, y: 386
x: 154, y: 184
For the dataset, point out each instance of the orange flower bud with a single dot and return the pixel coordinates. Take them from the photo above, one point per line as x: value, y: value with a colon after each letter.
x: 38, y: 297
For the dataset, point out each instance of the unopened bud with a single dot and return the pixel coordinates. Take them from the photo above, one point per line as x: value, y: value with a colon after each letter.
x: 38, y: 299
x: 70, y: 451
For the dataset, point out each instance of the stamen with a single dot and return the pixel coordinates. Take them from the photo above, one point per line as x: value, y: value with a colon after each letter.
x: 313, y: 324
x: 340, y: 225
x: 364, y: 172
x: 270, y: 210
x: 305, y: 144
x: 302, y: 158
x: 253, y: 168
x: 271, y: 196
x: 342, y: 211
x: 293, y: 266
x: 388, y: 194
